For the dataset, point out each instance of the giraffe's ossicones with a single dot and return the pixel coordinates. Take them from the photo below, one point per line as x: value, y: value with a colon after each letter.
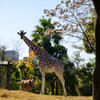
x: 21, y: 33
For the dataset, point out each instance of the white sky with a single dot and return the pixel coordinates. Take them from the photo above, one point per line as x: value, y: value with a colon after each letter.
x: 16, y: 15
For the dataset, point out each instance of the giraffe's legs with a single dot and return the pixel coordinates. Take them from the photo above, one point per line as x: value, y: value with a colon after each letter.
x: 60, y: 76
x: 43, y: 82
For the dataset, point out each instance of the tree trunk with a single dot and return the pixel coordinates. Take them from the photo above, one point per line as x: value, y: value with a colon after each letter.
x: 52, y: 86
x: 8, y: 76
x: 96, y: 94
x: 96, y: 88
x: 56, y: 88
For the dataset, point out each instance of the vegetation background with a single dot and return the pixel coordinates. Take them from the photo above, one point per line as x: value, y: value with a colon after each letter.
x: 73, y: 22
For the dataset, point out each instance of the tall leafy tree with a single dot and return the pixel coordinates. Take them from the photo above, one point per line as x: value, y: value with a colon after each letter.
x: 72, y: 16
x: 51, y: 43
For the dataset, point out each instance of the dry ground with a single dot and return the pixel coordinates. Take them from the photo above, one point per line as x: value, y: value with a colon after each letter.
x: 21, y: 95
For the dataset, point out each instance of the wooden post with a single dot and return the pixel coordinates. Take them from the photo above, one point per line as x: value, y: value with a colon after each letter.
x: 3, y: 77
x: 8, y: 75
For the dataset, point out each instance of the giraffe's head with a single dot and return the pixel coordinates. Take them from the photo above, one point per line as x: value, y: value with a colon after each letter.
x: 21, y: 33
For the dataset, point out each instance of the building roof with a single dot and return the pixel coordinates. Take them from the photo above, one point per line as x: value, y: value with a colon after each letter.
x: 4, y: 63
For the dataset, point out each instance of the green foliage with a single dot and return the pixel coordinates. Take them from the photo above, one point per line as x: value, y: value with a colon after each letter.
x: 49, y: 43
x: 14, y: 77
x: 59, y: 52
x: 57, y: 39
x: 70, y: 78
x: 37, y: 86
x: 24, y: 70
x: 90, y: 33
x: 46, y: 24
x: 2, y: 53
x: 76, y: 58
x: 85, y: 77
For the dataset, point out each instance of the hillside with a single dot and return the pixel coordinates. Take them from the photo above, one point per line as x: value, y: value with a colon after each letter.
x: 21, y: 95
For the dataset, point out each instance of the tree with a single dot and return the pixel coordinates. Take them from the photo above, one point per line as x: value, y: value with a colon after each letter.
x: 30, y: 59
x: 77, y: 58
x: 90, y: 32
x: 2, y: 53
x: 70, y: 78
x: 24, y: 70
x: 85, y: 77
x: 3, y: 72
x: 71, y: 19
x: 51, y: 43
x: 15, y: 77
x: 16, y: 46
x: 96, y: 94
x: 10, y: 72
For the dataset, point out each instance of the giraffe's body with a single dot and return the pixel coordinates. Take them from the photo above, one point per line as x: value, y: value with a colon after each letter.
x: 46, y: 62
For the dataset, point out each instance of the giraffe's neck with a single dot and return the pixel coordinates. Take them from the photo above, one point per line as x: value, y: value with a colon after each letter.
x: 37, y: 50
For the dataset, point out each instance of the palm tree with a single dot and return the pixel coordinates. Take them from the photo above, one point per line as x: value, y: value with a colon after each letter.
x: 51, y: 43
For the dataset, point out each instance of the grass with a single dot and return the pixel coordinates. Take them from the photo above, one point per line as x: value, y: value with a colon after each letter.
x: 21, y: 95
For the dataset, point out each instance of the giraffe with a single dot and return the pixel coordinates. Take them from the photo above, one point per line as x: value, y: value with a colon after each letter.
x: 46, y: 62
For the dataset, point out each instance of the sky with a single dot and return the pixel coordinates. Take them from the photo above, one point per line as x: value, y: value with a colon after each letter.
x: 16, y: 15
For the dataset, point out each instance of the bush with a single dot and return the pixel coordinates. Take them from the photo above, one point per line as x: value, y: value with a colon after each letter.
x: 86, y: 90
x: 37, y: 86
